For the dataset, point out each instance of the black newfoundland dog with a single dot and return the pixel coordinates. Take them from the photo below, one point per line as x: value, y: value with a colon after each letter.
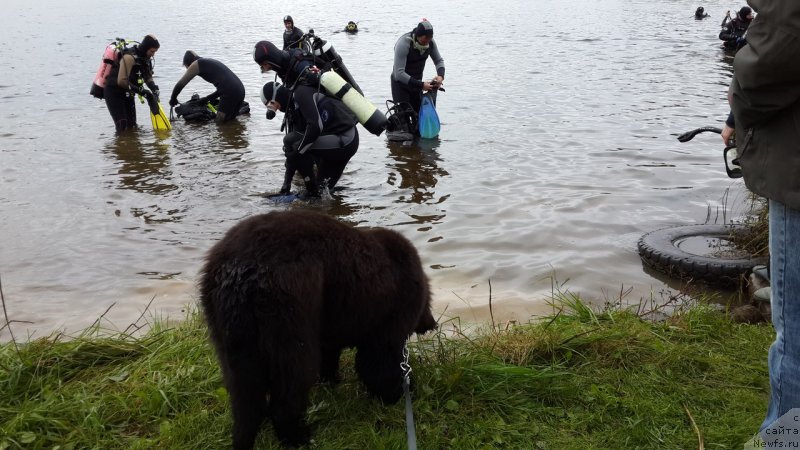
x: 284, y: 293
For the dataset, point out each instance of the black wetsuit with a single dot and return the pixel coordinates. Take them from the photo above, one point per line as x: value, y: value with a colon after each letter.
x: 301, y: 70
x: 292, y: 38
x: 733, y: 33
x: 322, y: 130
x: 119, y: 100
x: 229, y: 87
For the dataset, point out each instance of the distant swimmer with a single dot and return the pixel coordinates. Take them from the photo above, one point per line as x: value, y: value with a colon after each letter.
x: 700, y: 13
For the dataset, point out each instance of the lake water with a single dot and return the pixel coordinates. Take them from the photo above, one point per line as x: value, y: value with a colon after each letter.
x: 557, y: 151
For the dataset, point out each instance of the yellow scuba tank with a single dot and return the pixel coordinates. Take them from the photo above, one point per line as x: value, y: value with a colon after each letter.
x: 366, y: 113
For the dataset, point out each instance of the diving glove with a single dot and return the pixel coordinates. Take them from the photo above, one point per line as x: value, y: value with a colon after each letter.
x: 154, y: 88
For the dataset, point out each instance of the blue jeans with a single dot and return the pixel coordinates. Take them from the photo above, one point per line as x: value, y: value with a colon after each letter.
x: 784, y: 274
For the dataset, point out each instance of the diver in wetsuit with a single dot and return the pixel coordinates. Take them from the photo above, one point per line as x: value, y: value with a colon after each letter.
x: 291, y: 35
x: 293, y: 66
x: 126, y: 79
x: 700, y: 13
x: 321, y: 130
x: 733, y: 31
x: 229, y: 87
x: 411, y: 52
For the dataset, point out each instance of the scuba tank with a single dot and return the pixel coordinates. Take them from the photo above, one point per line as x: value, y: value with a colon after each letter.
x: 110, y: 56
x: 366, y: 113
x: 326, y: 51
x: 323, y: 50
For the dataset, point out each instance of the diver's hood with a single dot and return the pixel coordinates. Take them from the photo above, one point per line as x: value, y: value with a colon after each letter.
x: 266, y: 51
x: 189, y: 57
x: 147, y: 43
x: 275, y: 91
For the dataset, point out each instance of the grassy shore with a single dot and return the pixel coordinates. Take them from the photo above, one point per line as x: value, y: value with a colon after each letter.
x: 576, y: 380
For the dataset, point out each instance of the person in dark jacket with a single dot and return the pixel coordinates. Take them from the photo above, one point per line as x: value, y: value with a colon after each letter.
x: 764, y: 95
x: 733, y: 31
x: 291, y: 35
x: 127, y: 78
x: 229, y: 88
x: 321, y: 130
x: 411, y: 52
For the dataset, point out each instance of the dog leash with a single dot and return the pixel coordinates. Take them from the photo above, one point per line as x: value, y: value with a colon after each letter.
x: 411, y: 432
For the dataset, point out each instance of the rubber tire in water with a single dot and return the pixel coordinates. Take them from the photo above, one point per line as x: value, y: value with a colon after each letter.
x: 658, y: 250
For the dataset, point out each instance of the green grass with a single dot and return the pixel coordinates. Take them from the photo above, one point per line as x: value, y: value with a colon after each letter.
x: 576, y: 380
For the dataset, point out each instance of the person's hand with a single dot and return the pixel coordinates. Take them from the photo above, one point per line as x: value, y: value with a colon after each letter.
x: 174, y: 102
x: 426, y: 86
x: 437, y: 82
x: 727, y: 134
x: 147, y: 94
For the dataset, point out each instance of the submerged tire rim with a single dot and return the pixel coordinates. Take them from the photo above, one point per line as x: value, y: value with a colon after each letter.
x: 711, y: 247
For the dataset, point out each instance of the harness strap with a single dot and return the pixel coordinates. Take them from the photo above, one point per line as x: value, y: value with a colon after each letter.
x: 343, y: 90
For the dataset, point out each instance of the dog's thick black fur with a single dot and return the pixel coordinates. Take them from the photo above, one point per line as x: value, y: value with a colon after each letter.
x: 284, y: 293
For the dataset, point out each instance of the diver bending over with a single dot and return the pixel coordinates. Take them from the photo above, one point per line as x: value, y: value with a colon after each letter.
x: 229, y: 87
x: 321, y: 130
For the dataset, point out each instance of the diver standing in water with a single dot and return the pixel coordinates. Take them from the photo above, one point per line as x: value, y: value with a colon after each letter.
x: 733, y: 31
x: 129, y: 72
x: 411, y: 52
x: 229, y: 88
x: 291, y: 35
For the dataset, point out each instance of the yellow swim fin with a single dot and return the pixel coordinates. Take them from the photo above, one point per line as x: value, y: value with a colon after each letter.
x: 158, y: 118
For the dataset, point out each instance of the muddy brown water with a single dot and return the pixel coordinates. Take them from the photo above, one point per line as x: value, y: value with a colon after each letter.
x: 557, y: 152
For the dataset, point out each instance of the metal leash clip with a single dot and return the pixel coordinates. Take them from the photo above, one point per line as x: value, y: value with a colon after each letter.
x: 404, y: 366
